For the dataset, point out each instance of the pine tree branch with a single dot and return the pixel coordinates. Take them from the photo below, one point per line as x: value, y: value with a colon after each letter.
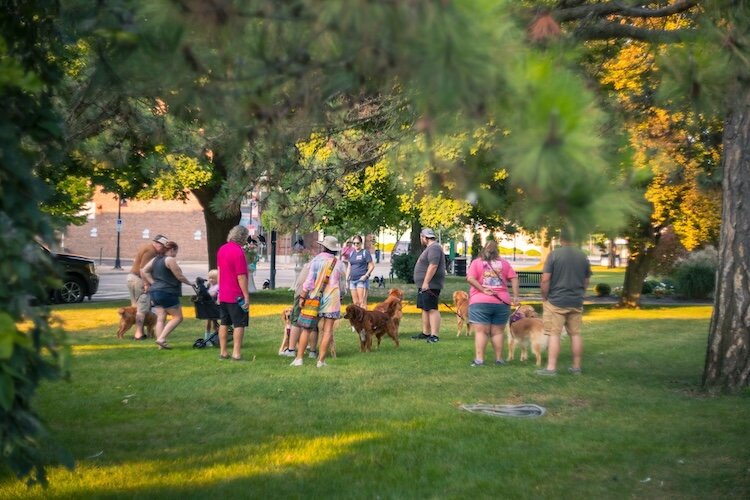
x: 603, y: 21
x: 617, y: 7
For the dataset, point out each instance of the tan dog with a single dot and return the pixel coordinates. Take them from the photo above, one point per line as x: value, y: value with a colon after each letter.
x: 127, y: 320
x: 392, y: 306
x: 461, y: 306
x: 286, y: 319
x: 526, y: 329
x: 368, y: 323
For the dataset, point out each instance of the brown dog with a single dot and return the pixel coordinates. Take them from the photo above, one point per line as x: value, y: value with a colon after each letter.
x: 392, y: 306
x: 526, y: 329
x: 286, y: 319
x: 461, y: 305
x: 127, y: 319
x: 368, y: 323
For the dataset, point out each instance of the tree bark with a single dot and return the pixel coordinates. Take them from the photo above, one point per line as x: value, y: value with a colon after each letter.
x: 727, y: 367
x: 217, y: 227
x: 639, y: 264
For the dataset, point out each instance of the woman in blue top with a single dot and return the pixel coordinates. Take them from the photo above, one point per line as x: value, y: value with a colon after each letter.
x: 358, y: 272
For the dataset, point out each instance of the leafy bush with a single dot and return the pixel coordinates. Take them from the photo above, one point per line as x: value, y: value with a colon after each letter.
x: 533, y: 252
x: 403, y: 266
x: 505, y: 251
x: 476, y: 245
x: 649, y: 285
x: 602, y: 289
x: 695, y: 277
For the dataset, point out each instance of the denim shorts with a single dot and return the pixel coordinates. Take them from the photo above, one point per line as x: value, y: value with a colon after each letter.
x: 489, y: 314
x: 164, y: 299
x: 360, y: 283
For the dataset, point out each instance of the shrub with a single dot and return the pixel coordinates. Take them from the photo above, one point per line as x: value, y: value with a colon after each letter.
x: 695, y: 277
x: 533, y: 252
x: 602, y: 289
x: 403, y: 266
x: 505, y: 251
x: 476, y: 245
x: 649, y: 285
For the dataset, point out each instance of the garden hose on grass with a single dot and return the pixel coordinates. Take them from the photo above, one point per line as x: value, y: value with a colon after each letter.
x: 524, y: 410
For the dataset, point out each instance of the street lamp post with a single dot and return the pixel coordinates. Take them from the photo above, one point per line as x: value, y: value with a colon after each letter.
x: 118, y: 229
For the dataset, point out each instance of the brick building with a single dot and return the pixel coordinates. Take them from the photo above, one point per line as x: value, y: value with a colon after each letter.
x: 142, y: 220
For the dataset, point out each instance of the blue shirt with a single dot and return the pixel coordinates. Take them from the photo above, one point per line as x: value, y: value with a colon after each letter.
x: 359, y: 261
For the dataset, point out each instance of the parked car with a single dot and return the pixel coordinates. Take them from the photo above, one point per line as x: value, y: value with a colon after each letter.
x: 79, y: 277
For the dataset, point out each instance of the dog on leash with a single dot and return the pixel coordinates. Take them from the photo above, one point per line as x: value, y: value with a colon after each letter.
x: 526, y: 328
x: 286, y: 320
x: 461, y: 305
x: 368, y: 324
x: 127, y: 320
x: 392, y: 306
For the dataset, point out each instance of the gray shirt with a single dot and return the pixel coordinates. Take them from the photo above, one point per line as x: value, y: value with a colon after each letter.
x: 569, y: 269
x: 433, y: 254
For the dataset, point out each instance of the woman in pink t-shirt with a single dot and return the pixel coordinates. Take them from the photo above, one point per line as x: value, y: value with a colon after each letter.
x: 489, y: 300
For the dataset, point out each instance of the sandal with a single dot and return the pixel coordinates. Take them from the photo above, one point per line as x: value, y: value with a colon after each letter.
x: 162, y: 345
x: 223, y: 356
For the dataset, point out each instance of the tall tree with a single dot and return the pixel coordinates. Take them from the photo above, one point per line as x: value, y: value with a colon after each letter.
x: 711, y: 71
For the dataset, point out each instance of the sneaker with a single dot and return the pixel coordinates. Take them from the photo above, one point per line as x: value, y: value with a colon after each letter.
x: 500, y: 362
x: 546, y: 373
x: 476, y: 362
x: 313, y: 354
x: 421, y: 336
x: 432, y: 339
x: 321, y: 364
x: 289, y: 353
x: 296, y: 362
x: 574, y: 371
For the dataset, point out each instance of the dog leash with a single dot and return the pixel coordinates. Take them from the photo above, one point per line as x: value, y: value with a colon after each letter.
x: 444, y: 303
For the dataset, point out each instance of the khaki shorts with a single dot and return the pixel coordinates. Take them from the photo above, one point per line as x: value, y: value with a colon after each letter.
x: 138, y: 297
x: 555, y: 318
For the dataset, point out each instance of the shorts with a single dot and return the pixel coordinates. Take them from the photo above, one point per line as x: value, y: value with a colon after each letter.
x: 360, y: 283
x: 138, y: 297
x: 164, y: 299
x: 485, y: 313
x: 296, y: 309
x: 555, y: 318
x: 230, y: 313
x: 428, y: 300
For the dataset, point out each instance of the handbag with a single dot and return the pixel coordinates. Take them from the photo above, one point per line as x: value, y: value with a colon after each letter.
x: 308, y: 315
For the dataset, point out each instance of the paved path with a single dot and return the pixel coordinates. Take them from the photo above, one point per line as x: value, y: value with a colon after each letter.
x: 112, y: 282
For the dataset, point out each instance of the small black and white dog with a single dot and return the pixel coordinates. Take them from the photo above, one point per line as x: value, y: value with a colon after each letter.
x: 380, y: 281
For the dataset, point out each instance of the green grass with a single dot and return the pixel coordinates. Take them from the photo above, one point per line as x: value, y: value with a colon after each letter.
x: 144, y: 423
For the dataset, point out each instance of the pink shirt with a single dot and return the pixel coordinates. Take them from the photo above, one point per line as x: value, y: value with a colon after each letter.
x: 484, y: 274
x: 230, y: 260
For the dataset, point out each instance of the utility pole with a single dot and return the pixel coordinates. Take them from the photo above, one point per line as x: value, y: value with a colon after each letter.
x: 118, y: 229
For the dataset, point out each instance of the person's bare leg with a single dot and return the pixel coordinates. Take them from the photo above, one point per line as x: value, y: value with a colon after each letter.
x: 480, y: 341
x: 576, y: 348
x: 553, y: 351
x: 223, y: 329
x: 237, y: 335
x: 498, y: 337
x: 326, y: 340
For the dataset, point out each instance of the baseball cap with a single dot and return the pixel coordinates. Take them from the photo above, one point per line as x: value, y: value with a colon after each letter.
x: 160, y: 238
x: 428, y: 233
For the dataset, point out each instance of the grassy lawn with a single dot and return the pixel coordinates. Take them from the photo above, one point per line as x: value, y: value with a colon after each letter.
x: 144, y: 423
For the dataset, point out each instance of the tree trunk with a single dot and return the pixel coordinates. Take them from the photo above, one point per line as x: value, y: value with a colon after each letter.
x: 727, y: 365
x: 217, y: 227
x: 612, y: 262
x: 546, y: 246
x: 416, y: 244
x: 639, y: 264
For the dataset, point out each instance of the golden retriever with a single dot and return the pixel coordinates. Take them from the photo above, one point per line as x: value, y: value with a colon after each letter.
x: 527, y: 328
x: 127, y: 320
x: 461, y: 306
x: 392, y: 306
x: 368, y: 323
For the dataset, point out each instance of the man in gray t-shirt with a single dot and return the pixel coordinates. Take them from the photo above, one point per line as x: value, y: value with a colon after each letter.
x: 429, y: 276
x: 564, y: 281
